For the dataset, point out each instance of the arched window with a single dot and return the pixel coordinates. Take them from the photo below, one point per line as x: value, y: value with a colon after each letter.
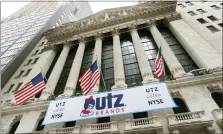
x: 39, y: 126
x: 182, y: 106
x: 218, y: 98
x: 70, y: 124
x: 14, y: 127
x: 140, y: 115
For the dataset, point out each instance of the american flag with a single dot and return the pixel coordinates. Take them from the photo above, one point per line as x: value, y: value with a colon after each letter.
x: 30, y: 89
x: 89, y: 78
x: 159, y: 64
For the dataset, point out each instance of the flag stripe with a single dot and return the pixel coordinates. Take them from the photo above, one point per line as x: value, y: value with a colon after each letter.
x: 30, y: 89
x: 32, y: 94
x: 25, y: 91
x: 159, y: 68
x: 90, y: 78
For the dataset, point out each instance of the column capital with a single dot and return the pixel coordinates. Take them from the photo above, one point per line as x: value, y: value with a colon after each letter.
x: 151, y: 22
x: 69, y: 44
x: 55, y: 48
x: 115, y: 32
x: 133, y: 26
x: 172, y: 17
x: 82, y: 40
x: 98, y: 36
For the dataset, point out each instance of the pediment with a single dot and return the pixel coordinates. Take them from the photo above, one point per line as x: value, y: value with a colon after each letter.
x: 110, y: 17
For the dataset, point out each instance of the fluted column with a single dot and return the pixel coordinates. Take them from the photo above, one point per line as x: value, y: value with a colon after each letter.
x: 145, y: 68
x: 173, y: 64
x: 97, y: 56
x: 118, y: 62
x: 74, y: 72
x: 56, y: 72
x: 204, y: 55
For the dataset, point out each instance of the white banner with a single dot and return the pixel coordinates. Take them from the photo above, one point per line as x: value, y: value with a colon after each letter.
x: 124, y: 101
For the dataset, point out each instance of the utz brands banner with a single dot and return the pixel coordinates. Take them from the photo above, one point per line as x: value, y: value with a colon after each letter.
x: 137, y: 99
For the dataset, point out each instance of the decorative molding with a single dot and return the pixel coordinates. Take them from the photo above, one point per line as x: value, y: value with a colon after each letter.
x: 115, y: 32
x: 151, y: 22
x: 172, y: 17
x: 110, y: 18
x: 214, y: 88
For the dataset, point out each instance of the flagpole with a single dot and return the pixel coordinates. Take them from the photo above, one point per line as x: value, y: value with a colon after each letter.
x: 46, y: 80
x: 101, y: 74
x: 164, y: 70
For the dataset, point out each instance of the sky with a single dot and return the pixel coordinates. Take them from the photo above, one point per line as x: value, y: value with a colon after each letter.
x: 8, y: 8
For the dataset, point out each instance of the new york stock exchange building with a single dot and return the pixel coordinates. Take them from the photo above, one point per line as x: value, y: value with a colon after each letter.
x: 125, y: 42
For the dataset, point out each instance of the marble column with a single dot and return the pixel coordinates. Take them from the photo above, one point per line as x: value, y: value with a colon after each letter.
x: 74, y: 72
x: 55, y: 74
x: 118, y: 62
x: 203, y: 54
x: 145, y: 68
x: 173, y: 64
x: 97, y: 56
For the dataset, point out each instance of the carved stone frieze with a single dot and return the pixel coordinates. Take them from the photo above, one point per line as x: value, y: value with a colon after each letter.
x: 109, y: 17
x: 214, y: 88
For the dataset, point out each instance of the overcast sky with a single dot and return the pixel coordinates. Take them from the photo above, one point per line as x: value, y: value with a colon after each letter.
x: 8, y: 8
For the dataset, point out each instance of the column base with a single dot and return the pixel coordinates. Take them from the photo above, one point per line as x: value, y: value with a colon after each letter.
x: 147, y: 81
x: 46, y: 95
x: 175, y: 131
x: 121, y: 85
x: 64, y: 96
x: 68, y: 92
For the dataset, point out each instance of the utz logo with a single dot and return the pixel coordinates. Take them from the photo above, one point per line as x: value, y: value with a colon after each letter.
x: 109, y: 104
x: 88, y: 106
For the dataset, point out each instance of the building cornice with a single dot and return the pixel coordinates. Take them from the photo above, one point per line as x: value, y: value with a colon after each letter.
x: 174, y: 84
x: 110, y: 18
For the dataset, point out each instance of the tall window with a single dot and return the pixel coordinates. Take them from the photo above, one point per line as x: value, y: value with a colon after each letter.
x: 201, y: 11
x: 86, y: 62
x: 202, y: 21
x: 40, y: 126
x: 107, y: 66
x: 191, y: 13
x: 215, y: 7
x: 218, y: 98
x: 185, y: 60
x: 66, y: 70
x: 131, y: 67
x: 213, y: 18
x: 182, y: 106
x: 151, y: 50
x: 14, y: 127
x: 213, y: 29
x: 70, y: 124
x: 103, y: 120
x: 10, y: 88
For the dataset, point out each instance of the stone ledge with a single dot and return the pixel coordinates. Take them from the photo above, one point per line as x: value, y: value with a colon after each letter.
x: 184, y: 81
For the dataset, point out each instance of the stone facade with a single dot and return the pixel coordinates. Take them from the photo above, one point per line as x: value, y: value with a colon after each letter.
x: 194, y: 90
